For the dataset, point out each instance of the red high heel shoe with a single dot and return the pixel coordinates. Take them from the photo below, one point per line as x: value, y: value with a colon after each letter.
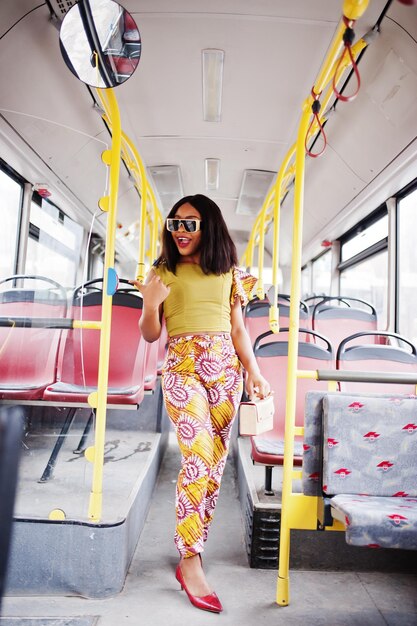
x: 206, y: 603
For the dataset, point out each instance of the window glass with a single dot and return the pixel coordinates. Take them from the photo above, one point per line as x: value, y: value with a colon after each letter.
x: 305, y: 280
x: 11, y: 198
x: 365, y: 238
x: 322, y: 274
x: 368, y: 281
x: 54, y: 244
x: 96, y: 267
x: 407, y: 267
x: 267, y: 275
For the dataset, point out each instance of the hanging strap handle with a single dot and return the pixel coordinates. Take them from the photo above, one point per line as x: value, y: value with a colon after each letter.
x: 348, y: 38
x: 315, y: 109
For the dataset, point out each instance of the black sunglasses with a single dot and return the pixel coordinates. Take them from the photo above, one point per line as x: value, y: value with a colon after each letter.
x: 190, y: 226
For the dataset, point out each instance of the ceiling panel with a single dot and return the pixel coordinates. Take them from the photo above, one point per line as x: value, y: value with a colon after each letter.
x: 273, y: 52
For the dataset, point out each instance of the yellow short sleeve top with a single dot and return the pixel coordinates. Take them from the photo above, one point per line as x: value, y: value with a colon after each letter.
x: 198, y: 302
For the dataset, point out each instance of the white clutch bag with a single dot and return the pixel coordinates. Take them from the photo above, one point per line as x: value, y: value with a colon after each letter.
x: 257, y: 416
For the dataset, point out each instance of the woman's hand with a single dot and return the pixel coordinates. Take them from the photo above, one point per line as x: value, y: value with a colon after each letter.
x: 257, y: 385
x: 154, y: 291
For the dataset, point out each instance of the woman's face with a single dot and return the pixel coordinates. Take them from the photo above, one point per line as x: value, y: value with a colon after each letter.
x: 188, y: 244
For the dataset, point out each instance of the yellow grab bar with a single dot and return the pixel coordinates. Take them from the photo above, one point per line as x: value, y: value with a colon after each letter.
x: 99, y: 400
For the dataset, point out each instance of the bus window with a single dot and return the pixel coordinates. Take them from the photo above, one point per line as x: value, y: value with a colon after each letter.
x: 54, y: 244
x: 407, y: 264
x: 364, y: 238
x: 96, y: 258
x: 306, y: 280
x: 363, y: 269
x: 368, y: 280
x: 11, y: 200
x: 322, y: 273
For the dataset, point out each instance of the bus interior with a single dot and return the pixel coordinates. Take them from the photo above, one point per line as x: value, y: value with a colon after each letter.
x: 299, y: 119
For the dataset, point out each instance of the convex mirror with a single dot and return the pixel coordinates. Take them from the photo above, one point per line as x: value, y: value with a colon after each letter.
x: 100, y: 42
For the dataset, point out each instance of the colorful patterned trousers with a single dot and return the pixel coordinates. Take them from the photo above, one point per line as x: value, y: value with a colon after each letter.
x: 202, y: 386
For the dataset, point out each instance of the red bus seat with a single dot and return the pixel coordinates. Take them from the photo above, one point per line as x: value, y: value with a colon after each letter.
x: 162, y: 347
x: 28, y: 355
x: 256, y: 317
x: 78, y: 359
x: 379, y: 351
x: 336, y: 317
x: 272, y: 358
x: 151, y: 349
x: 311, y: 302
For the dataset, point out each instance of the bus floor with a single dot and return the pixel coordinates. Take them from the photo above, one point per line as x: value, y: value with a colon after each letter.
x: 151, y: 594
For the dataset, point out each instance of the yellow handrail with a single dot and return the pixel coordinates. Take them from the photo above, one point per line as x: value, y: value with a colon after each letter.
x: 283, y: 172
x: 98, y: 399
x: 143, y: 189
x: 299, y: 511
x: 134, y: 163
x: 282, y: 180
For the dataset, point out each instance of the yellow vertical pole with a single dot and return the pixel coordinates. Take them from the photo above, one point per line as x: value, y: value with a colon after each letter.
x: 140, y: 271
x: 273, y: 311
x: 284, y: 550
x: 98, y: 400
x: 156, y: 222
x: 352, y: 9
x: 260, y: 289
x: 251, y: 245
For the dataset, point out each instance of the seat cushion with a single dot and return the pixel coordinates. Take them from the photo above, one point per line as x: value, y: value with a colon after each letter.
x: 271, y: 451
x: 370, y: 445
x: 65, y: 392
x: 377, y: 521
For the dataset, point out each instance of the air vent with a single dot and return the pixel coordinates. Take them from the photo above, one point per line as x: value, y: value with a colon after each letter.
x: 255, y: 185
x: 168, y: 184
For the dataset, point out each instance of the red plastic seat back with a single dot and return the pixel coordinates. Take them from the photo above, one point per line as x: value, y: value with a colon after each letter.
x: 377, y: 351
x: 339, y: 317
x: 79, y: 358
x: 256, y: 318
x: 272, y: 358
x: 28, y: 356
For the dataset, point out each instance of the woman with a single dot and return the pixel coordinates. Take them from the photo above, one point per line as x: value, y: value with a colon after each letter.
x: 196, y: 285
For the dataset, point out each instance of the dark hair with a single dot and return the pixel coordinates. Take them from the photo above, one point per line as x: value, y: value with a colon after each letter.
x: 217, y: 251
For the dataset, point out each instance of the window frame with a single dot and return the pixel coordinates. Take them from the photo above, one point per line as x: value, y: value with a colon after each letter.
x: 11, y: 173
x: 406, y: 191
x: 379, y: 246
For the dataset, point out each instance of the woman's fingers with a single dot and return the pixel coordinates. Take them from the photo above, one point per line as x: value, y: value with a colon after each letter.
x: 257, y: 387
x: 136, y: 283
x: 154, y: 290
